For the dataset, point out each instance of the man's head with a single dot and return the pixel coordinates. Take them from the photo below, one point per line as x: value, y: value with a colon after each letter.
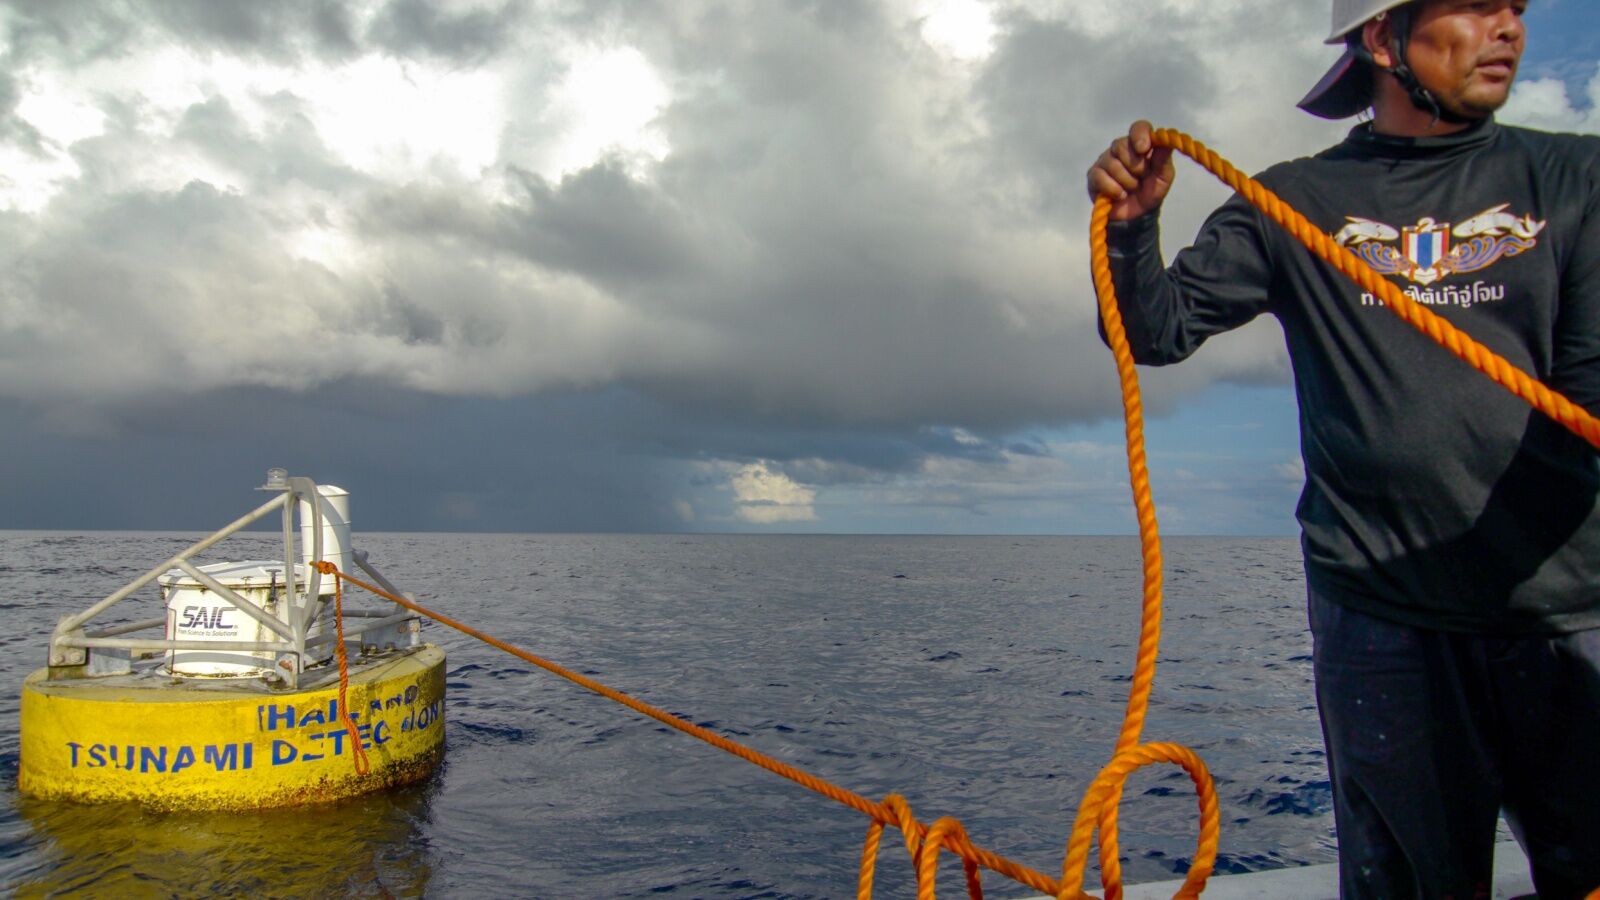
x: 1454, y: 59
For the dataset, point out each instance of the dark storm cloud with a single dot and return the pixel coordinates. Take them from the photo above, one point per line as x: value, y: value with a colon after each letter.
x: 603, y: 224
x: 68, y: 31
x: 561, y: 462
x: 81, y: 31
x: 1055, y: 94
x: 269, y: 27
x: 598, y: 223
x: 287, y: 153
x: 406, y: 27
x: 412, y: 462
x: 204, y: 257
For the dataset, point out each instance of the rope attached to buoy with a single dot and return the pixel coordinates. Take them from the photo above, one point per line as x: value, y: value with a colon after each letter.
x: 357, y: 751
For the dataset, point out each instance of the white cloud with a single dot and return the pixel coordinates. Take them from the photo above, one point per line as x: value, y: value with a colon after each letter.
x: 1293, y: 471
x: 607, y: 105
x: 684, y: 510
x: 1544, y: 104
x: 765, y: 496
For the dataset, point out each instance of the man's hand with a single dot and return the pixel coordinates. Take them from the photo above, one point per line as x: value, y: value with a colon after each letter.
x: 1134, y: 172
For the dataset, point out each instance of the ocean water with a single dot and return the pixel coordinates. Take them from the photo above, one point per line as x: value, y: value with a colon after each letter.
x: 981, y: 677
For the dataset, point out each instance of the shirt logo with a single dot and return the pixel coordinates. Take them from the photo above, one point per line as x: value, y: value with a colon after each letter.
x: 1426, y: 253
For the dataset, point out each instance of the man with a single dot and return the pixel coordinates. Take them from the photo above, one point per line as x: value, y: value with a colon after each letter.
x: 1451, y: 535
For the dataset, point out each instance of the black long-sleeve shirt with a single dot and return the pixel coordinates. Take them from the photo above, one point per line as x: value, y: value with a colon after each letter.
x: 1432, y: 497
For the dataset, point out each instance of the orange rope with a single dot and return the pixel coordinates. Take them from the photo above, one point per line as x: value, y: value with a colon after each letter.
x: 1098, y: 810
x: 357, y: 751
x: 882, y: 813
x: 1104, y: 793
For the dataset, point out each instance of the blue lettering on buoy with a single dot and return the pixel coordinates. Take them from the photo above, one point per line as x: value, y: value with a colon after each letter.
x: 225, y: 757
x: 274, y: 717
x: 427, y: 715
x: 148, y: 758
x: 232, y: 757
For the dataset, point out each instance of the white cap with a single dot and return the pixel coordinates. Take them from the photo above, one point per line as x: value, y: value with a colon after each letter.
x: 1351, y: 14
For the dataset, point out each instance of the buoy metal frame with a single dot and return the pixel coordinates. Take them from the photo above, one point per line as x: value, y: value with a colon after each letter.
x: 105, y: 720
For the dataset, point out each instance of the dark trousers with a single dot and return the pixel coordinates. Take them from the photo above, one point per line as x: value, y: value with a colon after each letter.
x: 1431, y: 734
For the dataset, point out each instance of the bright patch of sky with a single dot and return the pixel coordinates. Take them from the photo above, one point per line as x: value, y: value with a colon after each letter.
x: 398, y: 118
x: 29, y: 177
x: 963, y: 29
x: 386, y: 117
x: 606, y: 105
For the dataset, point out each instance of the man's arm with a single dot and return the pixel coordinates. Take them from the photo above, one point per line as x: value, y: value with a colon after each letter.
x: 1576, y: 366
x: 1218, y: 284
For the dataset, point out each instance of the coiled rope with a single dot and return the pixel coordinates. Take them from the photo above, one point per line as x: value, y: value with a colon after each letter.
x: 1098, y: 810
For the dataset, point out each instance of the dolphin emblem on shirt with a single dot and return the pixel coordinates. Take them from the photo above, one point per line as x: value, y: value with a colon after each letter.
x: 1361, y: 229
x: 1495, y: 221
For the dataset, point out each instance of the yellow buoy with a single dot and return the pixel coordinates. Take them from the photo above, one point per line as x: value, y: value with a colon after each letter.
x: 188, y: 743
x: 264, y: 689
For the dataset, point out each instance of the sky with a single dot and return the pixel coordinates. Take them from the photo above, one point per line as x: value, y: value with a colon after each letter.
x: 635, y: 265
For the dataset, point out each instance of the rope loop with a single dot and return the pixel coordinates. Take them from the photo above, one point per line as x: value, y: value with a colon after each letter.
x: 1101, y: 798
x: 896, y: 811
x: 945, y: 830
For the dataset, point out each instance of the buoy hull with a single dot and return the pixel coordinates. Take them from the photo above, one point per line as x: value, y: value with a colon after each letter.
x: 204, y: 744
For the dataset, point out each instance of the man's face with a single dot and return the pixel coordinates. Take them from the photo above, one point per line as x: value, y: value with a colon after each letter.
x: 1466, y: 52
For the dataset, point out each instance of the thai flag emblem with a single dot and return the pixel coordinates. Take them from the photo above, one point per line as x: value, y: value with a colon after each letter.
x: 1425, y: 253
x: 1427, y: 245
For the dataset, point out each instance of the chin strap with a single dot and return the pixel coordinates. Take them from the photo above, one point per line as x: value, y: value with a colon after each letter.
x: 1421, y: 97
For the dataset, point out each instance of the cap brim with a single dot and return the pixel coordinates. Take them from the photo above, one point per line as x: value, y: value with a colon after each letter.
x: 1344, y: 91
